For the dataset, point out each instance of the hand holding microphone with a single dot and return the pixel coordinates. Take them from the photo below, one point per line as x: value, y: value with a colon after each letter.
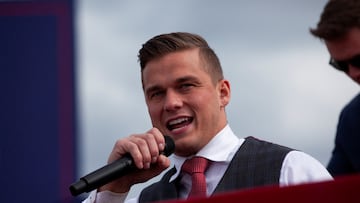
x: 113, y: 171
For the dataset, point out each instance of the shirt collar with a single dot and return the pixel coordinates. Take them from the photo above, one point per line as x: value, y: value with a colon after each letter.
x: 220, y: 149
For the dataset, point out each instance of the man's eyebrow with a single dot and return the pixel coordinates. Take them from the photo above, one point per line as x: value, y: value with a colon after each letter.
x: 186, y: 79
x: 152, y: 89
x: 177, y: 81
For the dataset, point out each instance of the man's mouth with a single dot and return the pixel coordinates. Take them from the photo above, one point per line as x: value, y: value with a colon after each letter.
x: 179, y: 123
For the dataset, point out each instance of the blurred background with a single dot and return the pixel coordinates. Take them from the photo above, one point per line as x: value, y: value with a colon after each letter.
x: 283, y: 89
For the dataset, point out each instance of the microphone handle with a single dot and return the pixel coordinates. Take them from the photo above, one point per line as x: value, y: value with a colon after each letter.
x: 112, y: 171
x: 103, y: 175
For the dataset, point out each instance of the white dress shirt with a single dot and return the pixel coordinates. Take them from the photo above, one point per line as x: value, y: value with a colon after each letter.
x: 298, y: 167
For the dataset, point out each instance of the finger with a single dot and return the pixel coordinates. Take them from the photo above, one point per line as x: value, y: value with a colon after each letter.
x: 163, y: 162
x: 156, y: 145
x: 148, y: 147
x: 127, y: 146
x: 159, y: 137
x: 152, y: 149
x: 144, y: 144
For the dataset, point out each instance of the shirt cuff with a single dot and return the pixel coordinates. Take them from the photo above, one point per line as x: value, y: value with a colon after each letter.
x: 105, y: 196
x: 110, y: 197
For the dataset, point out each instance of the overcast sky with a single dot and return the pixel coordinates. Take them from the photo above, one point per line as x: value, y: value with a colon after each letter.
x: 283, y: 89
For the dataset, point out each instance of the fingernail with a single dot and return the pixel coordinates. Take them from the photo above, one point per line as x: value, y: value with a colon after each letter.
x: 154, y: 159
x: 141, y: 166
x: 147, y: 165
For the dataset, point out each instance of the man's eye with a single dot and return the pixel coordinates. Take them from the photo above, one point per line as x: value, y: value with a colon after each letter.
x: 156, y: 94
x: 186, y: 86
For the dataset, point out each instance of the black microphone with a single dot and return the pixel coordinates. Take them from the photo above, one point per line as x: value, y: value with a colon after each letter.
x: 112, y: 171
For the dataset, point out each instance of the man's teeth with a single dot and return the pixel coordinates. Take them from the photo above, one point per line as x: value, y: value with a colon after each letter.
x: 177, y: 121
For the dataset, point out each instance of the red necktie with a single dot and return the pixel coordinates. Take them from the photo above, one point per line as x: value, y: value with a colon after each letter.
x: 196, y: 167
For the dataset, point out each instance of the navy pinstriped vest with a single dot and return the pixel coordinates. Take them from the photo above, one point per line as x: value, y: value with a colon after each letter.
x: 256, y: 163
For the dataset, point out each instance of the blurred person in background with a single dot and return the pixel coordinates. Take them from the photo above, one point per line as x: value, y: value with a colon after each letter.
x: 339, y: 28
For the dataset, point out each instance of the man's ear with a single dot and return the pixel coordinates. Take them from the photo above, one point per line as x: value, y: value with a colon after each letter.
x: 224, y: 92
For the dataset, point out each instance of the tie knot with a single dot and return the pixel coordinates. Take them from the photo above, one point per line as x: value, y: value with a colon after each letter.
x: 195, y: 165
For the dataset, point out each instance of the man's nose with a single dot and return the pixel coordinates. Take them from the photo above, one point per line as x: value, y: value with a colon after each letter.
x: 354, y: 73
x: 173, y: 101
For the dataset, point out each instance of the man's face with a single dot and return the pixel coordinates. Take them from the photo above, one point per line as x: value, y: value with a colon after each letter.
x: 345, y: 48
x: 182, y: 100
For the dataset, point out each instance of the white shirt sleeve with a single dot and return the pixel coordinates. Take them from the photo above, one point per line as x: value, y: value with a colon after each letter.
x: 299, y: 167
x: 107, y: 197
